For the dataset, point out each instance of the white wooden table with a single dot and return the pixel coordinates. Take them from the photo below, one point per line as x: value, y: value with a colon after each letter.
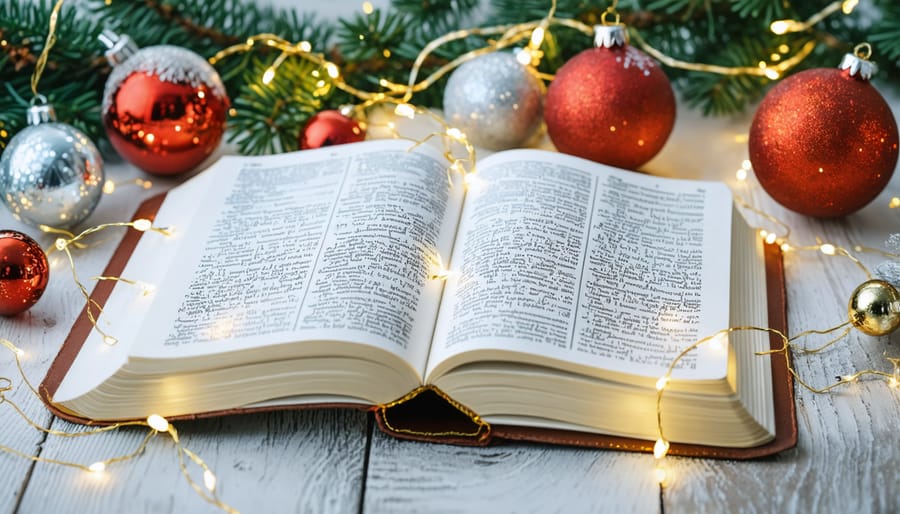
x: 335, y: 461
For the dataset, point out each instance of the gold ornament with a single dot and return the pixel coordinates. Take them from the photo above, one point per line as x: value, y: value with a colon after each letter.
x: 875, y: 308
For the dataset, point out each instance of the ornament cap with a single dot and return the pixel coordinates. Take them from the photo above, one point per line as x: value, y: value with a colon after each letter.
x: 610, y: 36
x: 858, y: 66
x: 38, y: 114
x: 119, y: 47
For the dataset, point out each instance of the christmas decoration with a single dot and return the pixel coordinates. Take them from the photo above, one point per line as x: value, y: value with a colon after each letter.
x: 164, y: 107
x: 611, y: 104
x: 495, y: 100
x: 329, y: 128
x: 24, y: 272
x: 875, y: 308
x: 824, y: 142
x: 51, y: 173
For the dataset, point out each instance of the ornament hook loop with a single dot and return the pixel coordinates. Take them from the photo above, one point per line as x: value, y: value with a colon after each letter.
x: 608, y: 12
x: 38, y: 100
x: 863, y: 50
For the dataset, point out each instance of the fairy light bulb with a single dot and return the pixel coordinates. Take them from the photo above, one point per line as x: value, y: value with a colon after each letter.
x: 661, y: 448
x: 158, y: 423
x: 142, y: 225
x: 209, y: 480
x: 97, y: 467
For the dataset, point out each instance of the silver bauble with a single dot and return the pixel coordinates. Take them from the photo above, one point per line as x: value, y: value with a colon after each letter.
x: 50, y: 173
x: 495, y: 100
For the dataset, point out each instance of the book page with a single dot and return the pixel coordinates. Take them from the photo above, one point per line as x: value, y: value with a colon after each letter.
x: 583, y: 264
x: 330, y: 245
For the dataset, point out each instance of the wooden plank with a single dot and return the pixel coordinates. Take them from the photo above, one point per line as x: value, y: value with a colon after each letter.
x: 407, y: 476
x: 309, y: 461
x: 846, y: 457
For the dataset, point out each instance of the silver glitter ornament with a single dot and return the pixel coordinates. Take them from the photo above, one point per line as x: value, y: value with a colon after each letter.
x: 495, y: 100
x: 51, y: 173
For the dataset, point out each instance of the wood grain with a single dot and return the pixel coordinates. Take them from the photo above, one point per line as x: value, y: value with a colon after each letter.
x: 408, y: 476
x: 310, y: 461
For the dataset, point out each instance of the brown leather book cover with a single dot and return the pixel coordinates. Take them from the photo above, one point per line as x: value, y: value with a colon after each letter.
x: 427, y: 414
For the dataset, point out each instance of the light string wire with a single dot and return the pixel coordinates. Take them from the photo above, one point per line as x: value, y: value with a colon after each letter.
x: 41, y: 62
x: 511, y: 34
x: 156, y: 424
x: 64, y: 244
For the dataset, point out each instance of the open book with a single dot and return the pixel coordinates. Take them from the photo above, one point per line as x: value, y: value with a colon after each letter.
x: 315, y: 278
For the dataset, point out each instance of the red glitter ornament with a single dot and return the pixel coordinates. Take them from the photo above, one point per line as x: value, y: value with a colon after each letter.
x: 824, y: 142
x: 329, y: 128
x: 164, y: 107
x: 611, y: 104
x: 24, y: 272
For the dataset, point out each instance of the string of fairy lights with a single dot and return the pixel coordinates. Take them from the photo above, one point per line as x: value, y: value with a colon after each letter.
x: 399, y: 96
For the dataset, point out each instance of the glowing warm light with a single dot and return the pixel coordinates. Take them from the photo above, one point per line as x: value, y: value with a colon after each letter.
x: 524, y: 57
x: 718, y: 343
x: 109, y: 187
x: 332, y: 70
x: 662, y: 382
x: 405, y: 110
x: 661, y: 448
x: 746, y: 165
x: 741, y: 174
x: 780, y: 27
x: 209, y: 480
x: 268, y: 76
x: 848, y: 5
x: 158, y: 423
x: 771, y: 238
x: 61, y: 244
x: 785, y: 247
x: 368, y: 8
x: 772, y: 74
x: 848, y: 378
x: 110, y: 340
x: 304, y: 46
x: 537, y: 37
x: 142, y: 225
x: 827, y: 249
x: 661, y: 475
x: 97, y: 467
x: 895, y: 203
x: 456, y: 134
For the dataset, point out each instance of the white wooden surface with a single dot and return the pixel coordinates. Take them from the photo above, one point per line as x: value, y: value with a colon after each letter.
x: 333, y: 461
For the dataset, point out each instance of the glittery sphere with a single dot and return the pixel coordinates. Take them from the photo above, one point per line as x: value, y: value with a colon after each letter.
x: 51, y: 174
x: 24, y: 272
x: 610, y: 105
x: 495, y: 100
x: 329, y: 128
x: 823, y: 143
x: 164, y: 109
x: 875, y: 308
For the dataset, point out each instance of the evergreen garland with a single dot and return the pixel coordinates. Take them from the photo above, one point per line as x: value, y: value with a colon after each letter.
x: 383, y: 44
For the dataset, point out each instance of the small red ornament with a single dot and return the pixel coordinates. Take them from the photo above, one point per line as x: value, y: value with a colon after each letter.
x: 24, y: 272
x: 329, y: 128
x: 611, y: 104
x: 164, y: 107
x: 824, y: 142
